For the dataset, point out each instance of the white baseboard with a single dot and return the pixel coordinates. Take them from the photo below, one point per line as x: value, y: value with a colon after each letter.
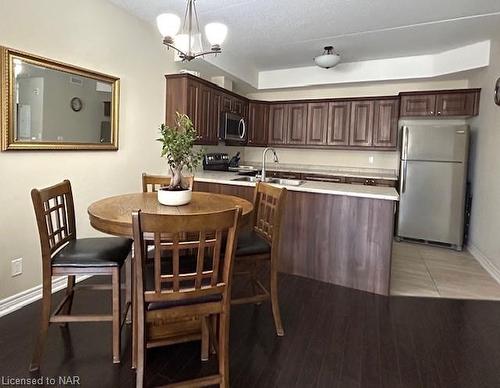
x: 484, y: 261
x: 24, y: 298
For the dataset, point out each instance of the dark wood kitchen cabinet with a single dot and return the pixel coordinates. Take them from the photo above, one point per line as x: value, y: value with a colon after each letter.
x: 258, y: 122
x: 339, y: 122
x: 347, y: 123
x: 456, y: 104
x: 297, y: 124
x: 278, y: 117
x: 361, y: 129
x: 385, y: 123
x: 418, y: 105
x: 226, y: 103
x: 317, y: 123
x: 443, y: 103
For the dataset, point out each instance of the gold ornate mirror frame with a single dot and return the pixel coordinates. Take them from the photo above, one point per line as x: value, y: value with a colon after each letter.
x: 7, y: 106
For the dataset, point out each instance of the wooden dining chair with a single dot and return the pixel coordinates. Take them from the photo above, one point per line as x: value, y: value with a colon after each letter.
x: 170, y: 289
x: 64, y: 254
x: 262, y: 244
x: 151, y: 183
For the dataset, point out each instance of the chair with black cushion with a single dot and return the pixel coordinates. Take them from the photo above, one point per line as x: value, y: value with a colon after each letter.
x: 167, y: 289
x: 262, y: 244
x: 151, y: 183
x: 64, y: 254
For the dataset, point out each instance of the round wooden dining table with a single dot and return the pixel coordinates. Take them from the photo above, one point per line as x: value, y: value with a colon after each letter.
x: 113, y: 215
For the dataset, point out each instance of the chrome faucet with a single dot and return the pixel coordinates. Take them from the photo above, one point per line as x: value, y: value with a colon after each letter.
x: 263, y: 172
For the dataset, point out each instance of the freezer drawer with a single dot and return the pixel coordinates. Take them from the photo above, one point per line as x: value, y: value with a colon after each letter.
x: 431, y: 203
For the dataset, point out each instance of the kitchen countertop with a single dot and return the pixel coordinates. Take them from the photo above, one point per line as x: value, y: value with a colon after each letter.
x: 372, y: 173
x: 375, y: 192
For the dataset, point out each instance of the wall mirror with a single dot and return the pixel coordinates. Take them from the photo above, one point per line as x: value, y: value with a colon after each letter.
x: 48, y: 105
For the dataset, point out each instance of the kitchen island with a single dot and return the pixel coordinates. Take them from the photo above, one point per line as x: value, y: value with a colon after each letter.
x: 333, y: 232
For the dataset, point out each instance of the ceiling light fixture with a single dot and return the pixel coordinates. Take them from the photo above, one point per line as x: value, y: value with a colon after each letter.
x: 188, y: 43
x: 330, y: 58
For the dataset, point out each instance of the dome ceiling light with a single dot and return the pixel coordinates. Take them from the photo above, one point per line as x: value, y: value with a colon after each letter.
x: 188, y: 43
x: 330, y: 58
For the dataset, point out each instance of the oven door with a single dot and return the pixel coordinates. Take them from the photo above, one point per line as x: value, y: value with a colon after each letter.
x: 234, y: 127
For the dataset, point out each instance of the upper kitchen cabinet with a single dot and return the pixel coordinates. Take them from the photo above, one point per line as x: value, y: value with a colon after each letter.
x: 385, y: 123
x: 297, y: 124
x: 443, y: 103
x: 203, y: 102
x: 258, y: 122
x: 278, y: 118
x: 317, y: 123
x: 418, y: 105
x: 457, y: 104
x: 361, y: 129
x: 339, y: 122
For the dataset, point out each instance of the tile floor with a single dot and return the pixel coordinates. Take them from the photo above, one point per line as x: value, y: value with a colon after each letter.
x: 421, y: 270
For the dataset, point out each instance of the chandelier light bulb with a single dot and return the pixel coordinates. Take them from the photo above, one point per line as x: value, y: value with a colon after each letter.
x: 168, y: 24
x: 216, y: 33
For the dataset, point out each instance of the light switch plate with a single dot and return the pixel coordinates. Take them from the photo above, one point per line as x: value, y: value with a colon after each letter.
x: 16, y: 267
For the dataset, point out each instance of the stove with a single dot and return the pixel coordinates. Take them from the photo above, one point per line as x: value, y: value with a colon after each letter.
x: 217, y: 161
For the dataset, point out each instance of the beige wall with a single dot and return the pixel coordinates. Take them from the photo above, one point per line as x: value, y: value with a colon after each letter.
x: 96, y: 35
x: 485, y: 164
x: 381, y: 159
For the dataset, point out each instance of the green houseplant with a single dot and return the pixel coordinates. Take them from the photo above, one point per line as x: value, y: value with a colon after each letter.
x: 178, y: 148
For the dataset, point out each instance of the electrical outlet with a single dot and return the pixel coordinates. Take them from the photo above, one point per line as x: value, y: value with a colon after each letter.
x: 370, y: 159
x: 16, y: 268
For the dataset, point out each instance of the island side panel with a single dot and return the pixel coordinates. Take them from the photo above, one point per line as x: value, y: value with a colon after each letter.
x: 339, y: 239
x: 336, y: 239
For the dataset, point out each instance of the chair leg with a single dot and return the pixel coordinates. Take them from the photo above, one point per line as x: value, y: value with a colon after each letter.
x: 128, y: 288
x: 134, y: 318
x: 70, y: 292
x: 205, y: 338
x: 140, y: 355
x: 224, y: 350
x: 274, y: 302
x: 44, y: 325
x: 213, y: 333
x: 253, y: 280
x: 116, y: 315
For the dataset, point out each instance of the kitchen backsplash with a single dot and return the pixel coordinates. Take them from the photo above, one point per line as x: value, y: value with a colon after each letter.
x: 343, y: 158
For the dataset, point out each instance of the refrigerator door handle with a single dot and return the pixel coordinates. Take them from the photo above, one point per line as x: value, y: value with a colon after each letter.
x: 404, y: 169
x: 406, y: 134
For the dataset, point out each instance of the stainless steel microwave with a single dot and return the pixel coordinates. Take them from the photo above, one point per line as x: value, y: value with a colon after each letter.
x: 233, y: 127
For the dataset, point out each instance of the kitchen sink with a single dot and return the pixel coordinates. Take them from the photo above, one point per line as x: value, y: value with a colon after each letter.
x: 277, y: 181
x: 285, y: 182
x: 246, y: 179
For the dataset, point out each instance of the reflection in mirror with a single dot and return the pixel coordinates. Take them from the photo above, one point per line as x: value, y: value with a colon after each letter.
x: 54, y: 107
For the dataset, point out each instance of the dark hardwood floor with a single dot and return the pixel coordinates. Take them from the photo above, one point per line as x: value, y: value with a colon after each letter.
x: 335, y: 337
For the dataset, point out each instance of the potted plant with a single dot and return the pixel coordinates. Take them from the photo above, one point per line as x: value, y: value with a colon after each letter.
x: 177, y: 148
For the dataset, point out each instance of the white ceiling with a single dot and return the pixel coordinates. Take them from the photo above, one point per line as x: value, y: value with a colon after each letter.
x: 276, y: 34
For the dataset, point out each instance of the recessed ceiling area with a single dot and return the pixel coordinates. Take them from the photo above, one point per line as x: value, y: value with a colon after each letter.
x: 273, y: 34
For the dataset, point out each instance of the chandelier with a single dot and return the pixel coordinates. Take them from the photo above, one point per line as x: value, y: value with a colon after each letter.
x: 188, y: 43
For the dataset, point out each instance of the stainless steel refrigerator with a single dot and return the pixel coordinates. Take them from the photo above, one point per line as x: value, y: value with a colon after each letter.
x: 433, y: 183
